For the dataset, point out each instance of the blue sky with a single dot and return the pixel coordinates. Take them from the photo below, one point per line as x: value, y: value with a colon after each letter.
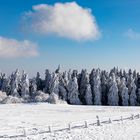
x: 118, y: 45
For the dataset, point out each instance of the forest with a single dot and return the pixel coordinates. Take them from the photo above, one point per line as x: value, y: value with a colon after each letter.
x: 99, y: 87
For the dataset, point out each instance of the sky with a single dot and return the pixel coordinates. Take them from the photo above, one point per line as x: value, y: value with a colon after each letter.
x: 40, y: 34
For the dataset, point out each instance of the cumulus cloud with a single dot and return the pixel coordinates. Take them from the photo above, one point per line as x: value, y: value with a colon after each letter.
x: 11, y: 48
x: 132, y: 34
x: 63, y: 19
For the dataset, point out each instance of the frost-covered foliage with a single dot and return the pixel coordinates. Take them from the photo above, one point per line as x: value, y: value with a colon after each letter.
x: 124, y: 93
x: 83, y: 81
x: 3, y: 95
x: 73, y: 92
x: 41, y: 97
x: 113, y: 98
x: 33, y: 88
x: 48, y: 79
x: 54, y: 84
x: 11, y: 100
x: 54, y: 99
x: 25, y: 87
x: 104, y: 87
x: 98, y: 87
x: 15, y: 81
x: 63, y: 83
x: 88, y: 95
x: 133, y: 97
x: 39, y: 82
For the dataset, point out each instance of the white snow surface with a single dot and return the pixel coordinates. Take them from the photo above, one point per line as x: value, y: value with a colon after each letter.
x: 14, y: 117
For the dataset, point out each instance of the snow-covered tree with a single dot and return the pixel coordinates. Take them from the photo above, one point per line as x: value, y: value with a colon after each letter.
x: 40, y: 97
x: 48, y: 78
x: 33, y: 88
x: 104, y: 85
x: 1, y: 75
x: 100, y: 87
x: 54, y: 84
x: 3, y: 82
x: 25, y: 87
x: 91, y: 77
x: 69, y: 75
x: 135, y: 76
x: 97, y: 89
x: 15, y: 81
x: 133, y: 97
x: 58, y: 69
x: 138, y: 89
x: 73, y: 92
x: 138, y: 96
x: 88, y: 95
x: 129, y: 81
x: 113, y: 98
x: 39, y: 82
x: 124, y: 93
x: 63, y: 83
x: 83, y: 81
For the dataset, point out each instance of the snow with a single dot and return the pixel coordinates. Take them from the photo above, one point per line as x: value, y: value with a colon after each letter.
x: 14, y: 117
x: 2, y: 96
x: 116, y: 131
x: 11, y: 99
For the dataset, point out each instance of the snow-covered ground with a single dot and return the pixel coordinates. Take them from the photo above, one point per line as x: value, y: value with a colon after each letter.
x: 14, y: 117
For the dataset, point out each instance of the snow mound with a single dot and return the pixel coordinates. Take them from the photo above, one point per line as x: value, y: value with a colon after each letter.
x: 54, y: 99
x: 11, y: 100
x: 3, y: 95
x: 41, y: 97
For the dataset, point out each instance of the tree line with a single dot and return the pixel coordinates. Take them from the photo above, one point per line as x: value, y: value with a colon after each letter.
x: 99, y: 87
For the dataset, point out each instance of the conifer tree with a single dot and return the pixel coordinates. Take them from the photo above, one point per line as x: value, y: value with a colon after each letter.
x: 113, y: 98
x: 73, y: 91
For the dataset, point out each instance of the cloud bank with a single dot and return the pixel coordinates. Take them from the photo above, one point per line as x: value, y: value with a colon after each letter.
x: 12, y: 48
x: 67, y: 20
x: 132, y: 34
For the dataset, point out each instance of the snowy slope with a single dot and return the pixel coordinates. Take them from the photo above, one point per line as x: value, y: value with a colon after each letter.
x: 16, y: 116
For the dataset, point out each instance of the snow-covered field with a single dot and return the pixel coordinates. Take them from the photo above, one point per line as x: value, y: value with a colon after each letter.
x: 14, y: 117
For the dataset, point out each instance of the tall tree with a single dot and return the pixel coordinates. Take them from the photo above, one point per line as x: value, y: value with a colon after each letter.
x: 124, y: 93
x: 88, y: 95
x: 133, y: 97
x: 39, y: 82
x: 97, y: 88
x: 25, y: 87
x: 83, y: 81
x: 48, y: 79
x: 73, y: 91
x: 15, y: 81
x: 113, y: 98
x: 54, y: 84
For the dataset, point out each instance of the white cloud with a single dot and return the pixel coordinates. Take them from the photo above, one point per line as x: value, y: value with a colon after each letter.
x: 63, y: 19
x: 132, y: 34
x: 11, y: 48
